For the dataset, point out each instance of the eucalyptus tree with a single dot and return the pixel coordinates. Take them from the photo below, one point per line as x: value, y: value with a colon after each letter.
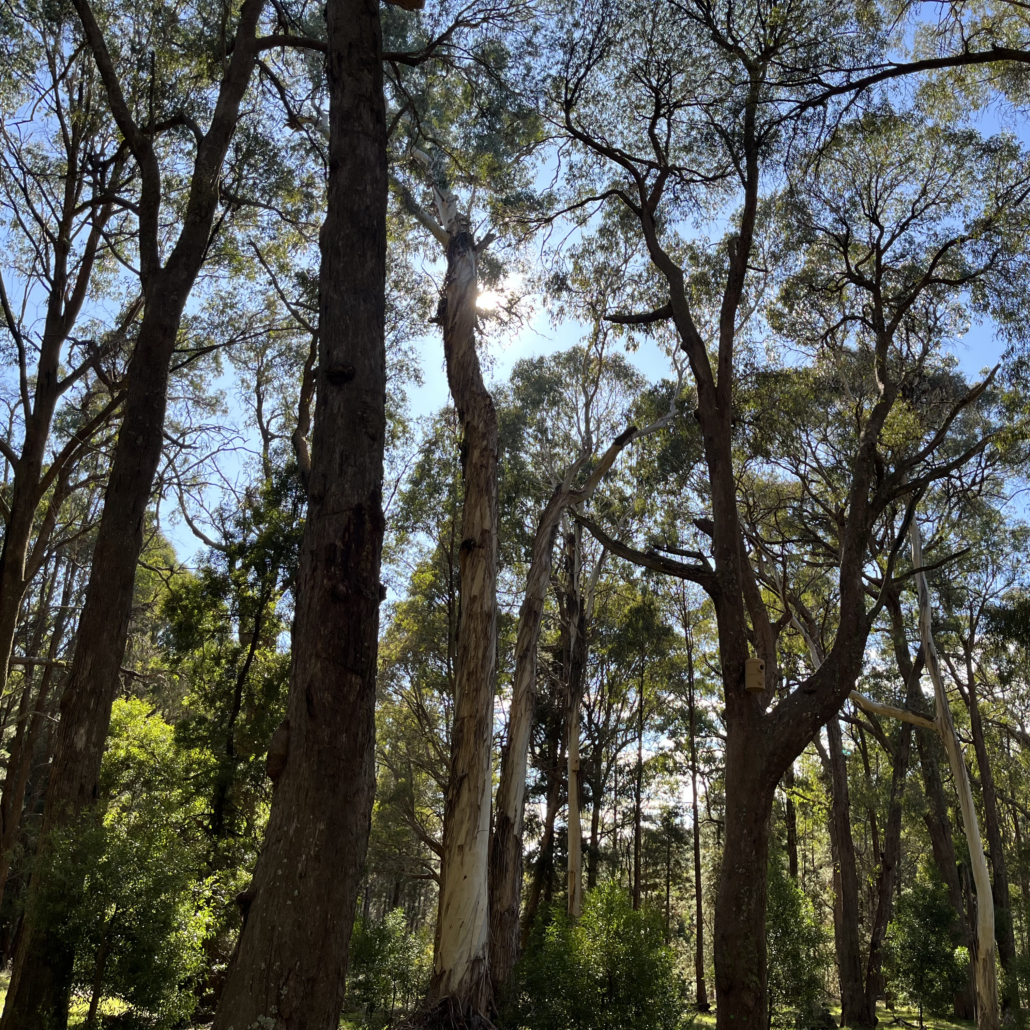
x: 576, y: 414
x: 39, y: 986
x: 728, y: 121
x: 62, y: 168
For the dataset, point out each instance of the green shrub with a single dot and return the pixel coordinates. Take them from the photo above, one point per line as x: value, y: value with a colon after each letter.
x: 123, y: 882
x: 610, y: 971
x: 389, y: 966
x: 922, y: 960
x: 796, y: 946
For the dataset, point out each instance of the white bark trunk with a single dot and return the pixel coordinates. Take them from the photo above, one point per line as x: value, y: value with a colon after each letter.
x: 506, y: 861
x: 461, y: 975
x: 987, y: 1016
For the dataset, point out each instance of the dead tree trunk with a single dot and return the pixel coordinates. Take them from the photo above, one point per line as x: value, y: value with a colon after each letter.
x: 290, y: 965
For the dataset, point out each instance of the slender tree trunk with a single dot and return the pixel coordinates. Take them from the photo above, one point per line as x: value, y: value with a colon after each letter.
x: 1004, y: 929
x: 576, y: 614
x: 637, y: 795
x: 290, y: 965
x: 506, y: 847
x: 99, y: 971
x: 41, y: 977
x: 461, y: 984
x: 593, y: 850
x: 987, y: 1015
x: 853, y: 1007
x: 890, y: 859
x: 701, y: 992
x: 545, y: 859
x: 792, y: 824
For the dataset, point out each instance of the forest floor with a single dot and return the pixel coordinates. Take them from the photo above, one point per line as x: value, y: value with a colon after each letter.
x: 901, y: 1017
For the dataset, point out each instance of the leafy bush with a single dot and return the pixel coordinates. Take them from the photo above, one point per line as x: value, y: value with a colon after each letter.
x: 123, y: 883
x: 921, y: 957
x: 610, y: 971
x: 389, y: 966
x: 796, y: 945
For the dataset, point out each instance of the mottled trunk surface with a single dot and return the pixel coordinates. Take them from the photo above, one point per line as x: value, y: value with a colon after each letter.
x: 40, y: 983
x: 461, y: 985
x: 290, y: 966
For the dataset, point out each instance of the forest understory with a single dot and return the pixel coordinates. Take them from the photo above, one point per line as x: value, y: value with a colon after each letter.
x: 514, y: 514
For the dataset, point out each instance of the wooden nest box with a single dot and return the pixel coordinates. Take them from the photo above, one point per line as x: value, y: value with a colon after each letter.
x: 754, y: 675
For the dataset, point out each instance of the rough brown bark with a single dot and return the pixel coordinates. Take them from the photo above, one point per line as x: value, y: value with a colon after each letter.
x: 290, y: 966
x: 38, y: 995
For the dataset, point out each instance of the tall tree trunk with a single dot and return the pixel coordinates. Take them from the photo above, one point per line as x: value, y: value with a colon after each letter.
x: 890, y: 859
x: 701, y: 991
x: 545, y: 859
x: 575, y: 611
x: 938, y: 826
x: 461, y: 985
x: 506, y: 846
x: 41, y: 977
x: 31, y: 717
x: 987, y: 1015
x: 637, y: 795
x: 1004, y: 929
x: 853, y: 1007
x: 290, y: 965
x: 740, y: 906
